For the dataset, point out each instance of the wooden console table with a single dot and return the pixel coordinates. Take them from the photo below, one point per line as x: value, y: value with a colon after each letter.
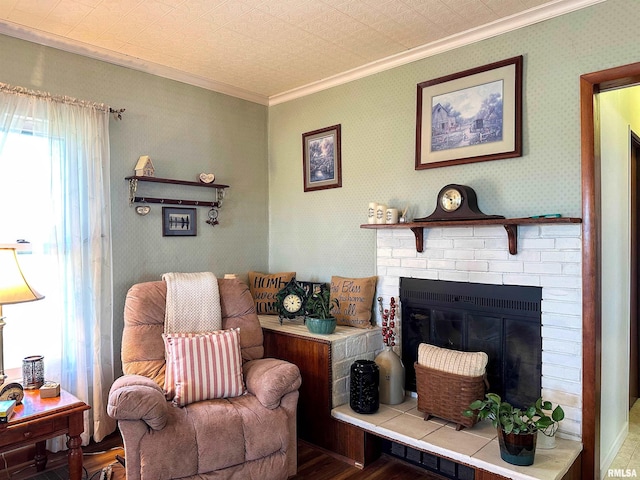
x: 38, y: 419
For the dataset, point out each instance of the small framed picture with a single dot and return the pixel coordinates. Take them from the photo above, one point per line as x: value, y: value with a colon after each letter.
x: 321, y: 159
x: 470, y: 116
x: 179, y: 222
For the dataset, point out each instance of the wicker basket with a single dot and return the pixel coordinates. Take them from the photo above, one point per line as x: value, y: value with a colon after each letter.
x: 446, y: 395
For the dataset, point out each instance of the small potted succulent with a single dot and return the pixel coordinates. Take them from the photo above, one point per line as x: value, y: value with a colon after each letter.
x: 318, y: 312
x: 517, y: 428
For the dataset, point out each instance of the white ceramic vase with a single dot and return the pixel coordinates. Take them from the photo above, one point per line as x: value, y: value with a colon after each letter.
x: 546, y: 442
x: 391, y: 377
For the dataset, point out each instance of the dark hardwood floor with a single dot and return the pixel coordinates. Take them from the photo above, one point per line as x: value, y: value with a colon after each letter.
x: 313, y: 464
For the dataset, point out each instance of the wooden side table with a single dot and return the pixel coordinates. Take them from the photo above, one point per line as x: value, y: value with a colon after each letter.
x: 38, y: 419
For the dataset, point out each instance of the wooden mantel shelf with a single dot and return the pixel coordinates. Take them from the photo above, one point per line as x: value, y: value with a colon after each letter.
x: 510, y: 225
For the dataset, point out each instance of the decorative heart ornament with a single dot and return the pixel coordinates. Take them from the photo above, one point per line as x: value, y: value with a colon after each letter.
x: 207, y: 177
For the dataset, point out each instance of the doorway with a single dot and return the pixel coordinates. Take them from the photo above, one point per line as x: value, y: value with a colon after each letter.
x: 590, y: 85
x: 634, y: 339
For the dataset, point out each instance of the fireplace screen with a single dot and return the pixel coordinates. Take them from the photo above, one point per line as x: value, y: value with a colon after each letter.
x: 500, y: 320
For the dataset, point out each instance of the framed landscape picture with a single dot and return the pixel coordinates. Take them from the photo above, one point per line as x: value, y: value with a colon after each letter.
x: 321, y: 160
x: 471, y: 116
x: 179, y: 222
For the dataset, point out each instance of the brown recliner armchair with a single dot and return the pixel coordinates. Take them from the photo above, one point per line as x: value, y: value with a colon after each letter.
x: 252, y: 436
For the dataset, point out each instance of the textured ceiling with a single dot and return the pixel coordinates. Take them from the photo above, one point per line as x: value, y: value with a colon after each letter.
x: 260, y: 49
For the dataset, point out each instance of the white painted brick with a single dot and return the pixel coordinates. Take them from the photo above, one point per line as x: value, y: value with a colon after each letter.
x: 564, y: 334
x: 388, y: 262
x: 396, y: 271
x: 562, y: 256
x: 562, y: 346
x: 491, y: 255
x: 561, y: 384
x: 525, y: 280
x: 356, y: 345
x: 564, y: 230
x: 561, y: 372
x: 458, y: 232
x: 432, y: 233
x: 400, y: 233
x: 543, y: 268
x: 528, y: 231
x: 472, y: 266
x: 459, y: 254
x: 469, y: 243
x: 340, y: 399
x: 407, y: 242
x: 526, y: 256
x: 561, y: 359
x: 536, y: 243
x: 404, y: 252
x: 453, y: 276
x: 559, y: 397
x: 342, y: 369
x: 567, y: 281
x: 438, y: 243
x: 565, y: 308
x: 489, y: 231
x: 338, y: 350
x: 568, y: 243
x: 506, y: 267
x: 426, y: 274
x: 571, y: 269
x: 482, y: 277
x: 441, y: 265
x: 414, y: 263
x: 384, y: 252
x: 432, y: 254
x: 387, y: 242
x: 562, y: 294
x: 497, y: 243
x: 563, y: 321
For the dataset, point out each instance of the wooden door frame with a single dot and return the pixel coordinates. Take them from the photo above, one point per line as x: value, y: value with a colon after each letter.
x: 590, y: 85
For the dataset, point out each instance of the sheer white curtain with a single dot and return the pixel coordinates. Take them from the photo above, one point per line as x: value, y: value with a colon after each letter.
x: 57, y: 148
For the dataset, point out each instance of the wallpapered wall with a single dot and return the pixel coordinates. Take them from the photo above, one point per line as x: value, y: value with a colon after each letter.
x: 317, y: 233
x: 185, y: 130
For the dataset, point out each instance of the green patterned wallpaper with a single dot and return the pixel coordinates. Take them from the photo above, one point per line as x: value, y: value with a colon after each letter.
x: 185, y: 130
x: 317, y: 233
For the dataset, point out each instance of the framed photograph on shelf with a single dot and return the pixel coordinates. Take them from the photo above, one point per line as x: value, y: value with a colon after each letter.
x: 179, y: 222
x: 471, y: 116
x: 321, y: 160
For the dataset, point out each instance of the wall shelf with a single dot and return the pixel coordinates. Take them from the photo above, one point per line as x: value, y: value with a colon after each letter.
x: 133, y: 187
x: 510, y: 225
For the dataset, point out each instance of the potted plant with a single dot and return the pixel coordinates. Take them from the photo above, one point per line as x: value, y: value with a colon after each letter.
x: 517, y: 428
x: 318, y: 312
x: 547, y: 436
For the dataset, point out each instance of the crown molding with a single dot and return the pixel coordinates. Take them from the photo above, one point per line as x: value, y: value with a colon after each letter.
x: 507, y: 24
x: 109, y: 56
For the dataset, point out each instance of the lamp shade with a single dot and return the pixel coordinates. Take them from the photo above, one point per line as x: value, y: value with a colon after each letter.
x: 14, y: 288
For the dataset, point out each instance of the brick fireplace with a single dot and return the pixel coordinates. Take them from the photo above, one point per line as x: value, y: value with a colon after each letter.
x: 549, y: 256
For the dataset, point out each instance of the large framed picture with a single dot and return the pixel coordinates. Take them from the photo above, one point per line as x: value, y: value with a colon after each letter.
x: 179, y: 222
x: 321, y: 159
x: 471, y: 116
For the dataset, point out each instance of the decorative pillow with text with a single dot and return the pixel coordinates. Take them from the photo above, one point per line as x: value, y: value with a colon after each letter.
x: 202, y: 366
x: 264, y: 288
x: 355, y: 296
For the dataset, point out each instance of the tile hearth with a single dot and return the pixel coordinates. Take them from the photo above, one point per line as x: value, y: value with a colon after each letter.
x: 476, y: 447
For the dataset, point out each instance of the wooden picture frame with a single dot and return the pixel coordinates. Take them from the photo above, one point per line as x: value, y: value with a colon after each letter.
x: 179, y: 222
x: 321, y: 159
x: 471, y: 116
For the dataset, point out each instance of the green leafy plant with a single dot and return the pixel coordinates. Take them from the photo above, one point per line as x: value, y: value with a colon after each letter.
x: 515, y: 420
x: 320, y: 306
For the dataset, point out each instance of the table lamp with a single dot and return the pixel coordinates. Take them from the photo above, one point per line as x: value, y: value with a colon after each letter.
x: 14, y: 288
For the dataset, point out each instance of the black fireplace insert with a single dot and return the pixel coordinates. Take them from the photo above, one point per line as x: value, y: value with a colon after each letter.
x: 502, y: 320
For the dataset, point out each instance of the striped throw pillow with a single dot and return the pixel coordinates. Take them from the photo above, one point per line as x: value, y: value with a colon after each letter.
x: 201, y: 366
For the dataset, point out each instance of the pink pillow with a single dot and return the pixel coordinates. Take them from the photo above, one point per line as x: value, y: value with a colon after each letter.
x: 201, y: 366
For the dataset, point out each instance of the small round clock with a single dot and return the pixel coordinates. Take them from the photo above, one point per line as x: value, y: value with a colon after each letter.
x: 12, y: 391
x: 450, y: 199
x: 290, y: 300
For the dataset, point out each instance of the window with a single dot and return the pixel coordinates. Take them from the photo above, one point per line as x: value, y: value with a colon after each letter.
x: 32, y: 328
